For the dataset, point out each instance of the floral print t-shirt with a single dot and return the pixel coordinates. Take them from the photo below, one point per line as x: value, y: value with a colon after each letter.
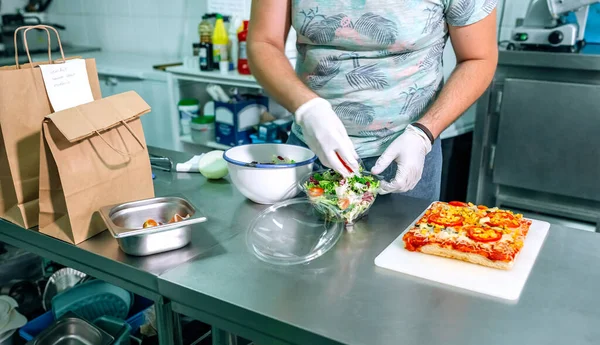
x: 379, y: 62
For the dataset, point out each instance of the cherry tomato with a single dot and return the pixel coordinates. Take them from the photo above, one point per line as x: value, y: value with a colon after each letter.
x: 150, y: 223
x: 481, y: 234
x: 449, y: 220
x: 343, y: 203
x: 458, y: 203
x: 503, y: 219
x: 315, y: 192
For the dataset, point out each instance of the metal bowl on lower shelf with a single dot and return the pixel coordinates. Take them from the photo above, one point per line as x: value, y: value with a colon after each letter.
x: 71, y: 330
x: 126, y: 221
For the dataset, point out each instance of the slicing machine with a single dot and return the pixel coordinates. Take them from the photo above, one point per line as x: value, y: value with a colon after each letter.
x: 545, y: 26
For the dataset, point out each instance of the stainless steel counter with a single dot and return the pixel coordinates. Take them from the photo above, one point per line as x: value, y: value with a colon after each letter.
x: 343, y: 298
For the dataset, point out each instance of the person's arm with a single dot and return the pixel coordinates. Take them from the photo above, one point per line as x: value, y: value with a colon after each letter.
x: 324, y: 132
x: 269, y: 27
x: 477, y: 56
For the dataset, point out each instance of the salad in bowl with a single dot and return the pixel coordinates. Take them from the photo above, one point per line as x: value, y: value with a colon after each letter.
x: 339, y: 198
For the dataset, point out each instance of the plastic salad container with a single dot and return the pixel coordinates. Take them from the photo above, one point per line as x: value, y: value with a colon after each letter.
x: 292, y: 232
x: 338, y: 198
x: 297, y: 231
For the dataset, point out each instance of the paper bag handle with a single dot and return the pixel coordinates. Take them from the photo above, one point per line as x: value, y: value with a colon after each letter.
x: 116, y: 149
x: 41, y: 27
x: 46, y: 27
x: 17, y: 48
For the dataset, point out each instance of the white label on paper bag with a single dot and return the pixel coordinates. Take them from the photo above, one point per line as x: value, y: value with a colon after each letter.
x: 67, y: 84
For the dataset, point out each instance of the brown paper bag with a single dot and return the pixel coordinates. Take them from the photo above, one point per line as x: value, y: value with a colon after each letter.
x: 92, y: 155
x: 23, y: 105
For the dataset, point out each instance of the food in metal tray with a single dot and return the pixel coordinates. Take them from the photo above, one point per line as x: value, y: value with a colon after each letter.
x: 176, y: 218
x: 473, y: 233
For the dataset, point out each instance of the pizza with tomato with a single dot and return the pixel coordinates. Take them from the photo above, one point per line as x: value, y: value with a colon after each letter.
x: 474, y: 233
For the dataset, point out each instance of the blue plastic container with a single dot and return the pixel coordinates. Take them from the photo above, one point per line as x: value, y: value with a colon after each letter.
x: 135, y: 319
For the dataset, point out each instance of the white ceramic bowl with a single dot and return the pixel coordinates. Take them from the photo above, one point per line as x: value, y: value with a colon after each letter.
x: 264, y: 183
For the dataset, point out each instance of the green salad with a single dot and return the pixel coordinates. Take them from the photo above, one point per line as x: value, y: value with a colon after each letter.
x: 348, y: 197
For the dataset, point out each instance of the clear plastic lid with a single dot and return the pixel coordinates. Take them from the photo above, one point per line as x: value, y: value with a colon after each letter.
x: 293, y: 232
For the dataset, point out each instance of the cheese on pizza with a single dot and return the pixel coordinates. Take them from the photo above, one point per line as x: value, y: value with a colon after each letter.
x: 476, y: 234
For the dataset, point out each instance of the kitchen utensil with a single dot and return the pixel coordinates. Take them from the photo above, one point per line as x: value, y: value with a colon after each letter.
x: 161, y: 162
x: 125, y: 223
x: 72, y: 330
x: 268, y: 183
x: 92, y: 300
x: 136, y: 319
x: 117, y: 328
x: 61, y: 280
x: 292, y: 232
x: 485, y: 280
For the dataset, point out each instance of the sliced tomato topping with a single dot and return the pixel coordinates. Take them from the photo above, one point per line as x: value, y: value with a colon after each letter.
x: 343, y: 203
x: 503, y: 219
x: 482, y: 207
x: 481, y: 234
x: 446, y: 220
x: 315, y: 192
x: 458, y: 203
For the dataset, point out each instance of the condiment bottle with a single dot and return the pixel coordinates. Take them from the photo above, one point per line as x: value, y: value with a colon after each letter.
x: 243, y: 67
x: 205, y: 30
x: 219, y: 41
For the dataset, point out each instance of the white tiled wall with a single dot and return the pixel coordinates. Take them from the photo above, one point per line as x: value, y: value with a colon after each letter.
x: 9, y: 6
x: 154, y: 27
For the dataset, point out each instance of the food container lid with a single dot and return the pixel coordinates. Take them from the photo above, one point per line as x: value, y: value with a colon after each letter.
x: 293, y: 232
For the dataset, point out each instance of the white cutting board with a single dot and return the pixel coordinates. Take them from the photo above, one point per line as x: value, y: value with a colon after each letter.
x: 490, y: 281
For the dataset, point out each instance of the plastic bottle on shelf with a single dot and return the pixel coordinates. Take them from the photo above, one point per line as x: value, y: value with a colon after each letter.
x: 233, y: 43
x: 205, y: 30
x: 243, y: 67
x: 219, y: 41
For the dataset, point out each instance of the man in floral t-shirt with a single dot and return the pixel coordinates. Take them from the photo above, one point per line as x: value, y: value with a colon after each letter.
x: 369, y: 80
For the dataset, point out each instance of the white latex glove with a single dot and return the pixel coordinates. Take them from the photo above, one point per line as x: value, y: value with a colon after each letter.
x: 325, y: 135
x: 408, y: 151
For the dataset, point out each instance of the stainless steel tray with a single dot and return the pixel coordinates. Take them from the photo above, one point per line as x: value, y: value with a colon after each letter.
x: 125, y: 222
x: 71, y: 330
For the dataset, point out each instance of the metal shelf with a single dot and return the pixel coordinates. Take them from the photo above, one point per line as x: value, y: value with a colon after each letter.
x: 232, y: 78
x: 211, y: 144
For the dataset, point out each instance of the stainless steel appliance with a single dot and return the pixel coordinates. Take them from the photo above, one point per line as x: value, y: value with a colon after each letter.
x: 535, y: 145
x: 37, y: 40
x: 545, y: 29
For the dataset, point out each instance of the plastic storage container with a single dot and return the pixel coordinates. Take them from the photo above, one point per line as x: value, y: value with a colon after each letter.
x: 203, y: 129
x: 189, y: 109
x: 135, y: 319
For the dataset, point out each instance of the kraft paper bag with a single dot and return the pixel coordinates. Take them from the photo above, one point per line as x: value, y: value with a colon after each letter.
x: 23, y: 106
x: 92, y: 155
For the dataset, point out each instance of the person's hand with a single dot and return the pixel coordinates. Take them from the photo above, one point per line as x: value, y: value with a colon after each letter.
x: 326, y: 136
x: 408, y: 151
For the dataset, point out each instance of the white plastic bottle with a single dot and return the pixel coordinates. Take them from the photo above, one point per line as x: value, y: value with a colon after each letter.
x: 233, y: 43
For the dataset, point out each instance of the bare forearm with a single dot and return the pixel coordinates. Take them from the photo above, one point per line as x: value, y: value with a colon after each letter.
x: 275, y: 74
x: 466, y: 84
